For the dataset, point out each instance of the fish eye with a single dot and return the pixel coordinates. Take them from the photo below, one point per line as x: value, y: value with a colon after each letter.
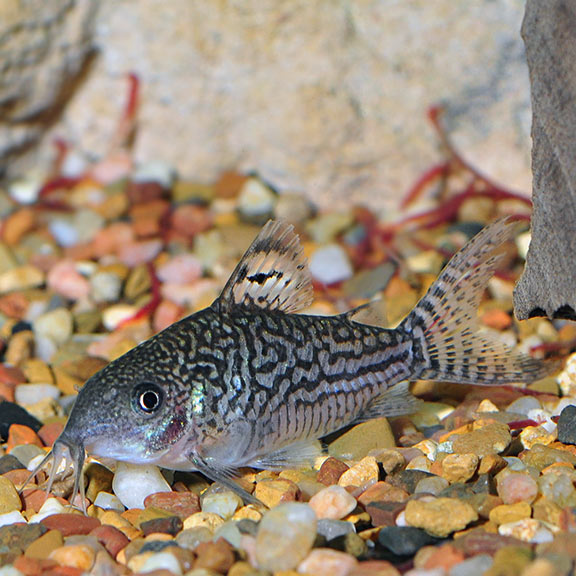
x: 148, y: 397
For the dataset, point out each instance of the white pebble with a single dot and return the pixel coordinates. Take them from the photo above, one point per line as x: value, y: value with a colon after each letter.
x: 14, y: 517
x: 32, y: 393
x: 538, y: 415
x: 330, y: 264
x: 108, y: 501
x: 77, y: 229
x: 563, y: 403
x: 476, y: 565
x: 57, y: 325
x: 113, y: 316
x: 74, y: 164
x: 25, y: 190
x: 64, y: 231
x: 401, y: 519
x: 105, y: 287
x: 34, y: 462
x: 524, y: 404
x: 256, y: 199
x: 133, y: 483
x: 527, y: 530
x: 158, y: 172
x: 285, y: 536
x: 523, y: 243
x: 221, y: 502
x: 50, y: 507
x: 161, y: 561
x: 334, y: 502
x: 45, y: 347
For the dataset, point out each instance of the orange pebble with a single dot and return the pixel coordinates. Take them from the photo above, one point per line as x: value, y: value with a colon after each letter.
x: 397, y: 287
x: 18, y: 476
x: 33, y: 566
x: 64, y: 571
x: 7, y: 392
x: 49, y: 432
x: 191, y: 220
x: 14, y: 305
x: 17, y: 225
x: 110, y: 239
x: 444, y: 557
x: 229, y: 184
x: 19, y: 434
x: 497, y: 319
x: 33, y: 499
x: 11, y: 375
x: 166, y: 314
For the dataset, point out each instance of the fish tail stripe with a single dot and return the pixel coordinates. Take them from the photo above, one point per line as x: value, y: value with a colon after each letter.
x: 446, y: 326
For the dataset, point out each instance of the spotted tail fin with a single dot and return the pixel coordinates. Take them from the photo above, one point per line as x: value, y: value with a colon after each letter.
x: 445, y: 320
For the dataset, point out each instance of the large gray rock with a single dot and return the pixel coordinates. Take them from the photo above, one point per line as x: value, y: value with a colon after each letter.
x: 44, y: 45
x: 546, y: 287
x: 328, y: 97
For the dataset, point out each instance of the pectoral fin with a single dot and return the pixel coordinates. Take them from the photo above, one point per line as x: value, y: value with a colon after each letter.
x: 223, y: 475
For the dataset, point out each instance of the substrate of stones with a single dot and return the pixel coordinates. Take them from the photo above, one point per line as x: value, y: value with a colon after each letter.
x: 480, y: 480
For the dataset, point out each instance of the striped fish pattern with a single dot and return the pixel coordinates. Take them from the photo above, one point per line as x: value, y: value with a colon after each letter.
x: 250, y: 382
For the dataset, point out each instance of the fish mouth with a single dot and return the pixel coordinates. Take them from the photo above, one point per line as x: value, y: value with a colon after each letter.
x: 72, y: 454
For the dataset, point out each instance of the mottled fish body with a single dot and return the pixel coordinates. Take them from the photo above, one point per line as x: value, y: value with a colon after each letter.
x: 248, y: 382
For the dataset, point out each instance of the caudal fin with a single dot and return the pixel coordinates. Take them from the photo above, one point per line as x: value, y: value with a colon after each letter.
x: 445, y: 320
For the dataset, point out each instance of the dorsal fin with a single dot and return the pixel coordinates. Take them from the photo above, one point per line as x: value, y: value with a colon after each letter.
x: 273, y: 273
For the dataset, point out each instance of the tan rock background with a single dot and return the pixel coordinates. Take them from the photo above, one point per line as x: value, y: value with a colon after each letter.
x: 326, y: 96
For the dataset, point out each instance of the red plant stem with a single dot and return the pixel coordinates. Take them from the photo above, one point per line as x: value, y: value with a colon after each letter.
x: 526, y: 391
x: 58, y: 183
x: 435, y: 116
x: 133, y: 97
x: 554, y: 349
x: 519, y: 424
x: 438, y: 172
x: 61, y: 153
x: 127, y: 122
x: 448, y: 211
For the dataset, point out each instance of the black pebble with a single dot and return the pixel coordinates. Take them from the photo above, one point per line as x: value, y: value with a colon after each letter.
x: 11, y: 413
x: 457, y: 490
x: 405, y: 540
x: 21, y: 326
x: 157, y: 546
x: 10, y: 462
x: 171, y: 525
x: 485, y: 485
x: 407, y: 479
x: 567, y: 425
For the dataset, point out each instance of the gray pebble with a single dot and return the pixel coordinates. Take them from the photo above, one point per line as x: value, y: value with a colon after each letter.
x: 567, y: 425
x: 331, y: 529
